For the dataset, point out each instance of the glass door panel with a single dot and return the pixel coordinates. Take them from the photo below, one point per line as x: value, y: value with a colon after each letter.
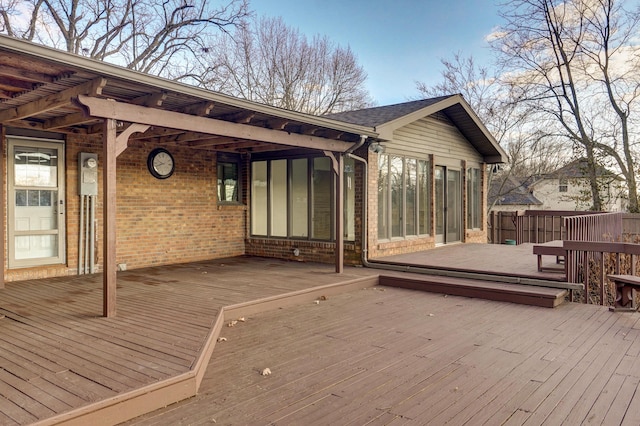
x: 448, y: 204
x: 454, y: 206
x: 439, y: 213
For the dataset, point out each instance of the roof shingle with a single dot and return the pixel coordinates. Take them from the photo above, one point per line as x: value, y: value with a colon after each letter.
x: 376, y: 116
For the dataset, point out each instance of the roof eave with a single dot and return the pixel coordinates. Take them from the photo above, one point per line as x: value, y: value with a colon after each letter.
x: 387, y: 129
x: 497, y: 154
x: 114, y: 71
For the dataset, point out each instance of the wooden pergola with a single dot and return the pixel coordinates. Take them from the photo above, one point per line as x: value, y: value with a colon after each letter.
x: 49, y: 90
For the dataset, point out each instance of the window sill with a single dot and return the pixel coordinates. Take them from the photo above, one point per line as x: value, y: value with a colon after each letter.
x: 232, y: 207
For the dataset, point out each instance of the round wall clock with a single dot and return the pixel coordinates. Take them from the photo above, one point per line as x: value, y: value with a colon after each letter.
x: 160, y: 163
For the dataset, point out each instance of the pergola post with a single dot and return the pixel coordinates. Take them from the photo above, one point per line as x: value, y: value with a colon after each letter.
x: 339, y: 214
x: 2, y: 202
x: 109, y: 276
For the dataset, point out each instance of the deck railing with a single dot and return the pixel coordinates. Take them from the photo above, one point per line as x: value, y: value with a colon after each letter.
x: 589, y: 263
x: 599, y: 245
x: 542, y: 226
x: 591, y: 241
x: 594, y: 227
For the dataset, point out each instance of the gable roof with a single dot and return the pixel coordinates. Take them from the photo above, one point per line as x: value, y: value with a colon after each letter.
x: 578, y: 169
x: 511, y: 190
x: 376, y: 116
x: 386, y: 119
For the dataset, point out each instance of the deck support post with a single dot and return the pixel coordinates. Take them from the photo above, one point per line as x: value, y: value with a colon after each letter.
x: 340, y: 214
x: 337, y: 164
x: 2, y: 202
x: 109, y: 276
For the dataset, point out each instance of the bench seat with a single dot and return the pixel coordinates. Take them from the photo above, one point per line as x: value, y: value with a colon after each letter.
x: 625, y: 284
x: 551, y: 248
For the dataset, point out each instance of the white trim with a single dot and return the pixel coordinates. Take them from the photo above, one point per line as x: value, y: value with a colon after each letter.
x: 60, y: 231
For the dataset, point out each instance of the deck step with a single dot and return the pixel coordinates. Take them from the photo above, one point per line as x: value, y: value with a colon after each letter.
x: 503, y: 292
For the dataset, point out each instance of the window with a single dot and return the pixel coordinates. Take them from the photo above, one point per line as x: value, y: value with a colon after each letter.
x: 278, y: 197
x: 259, y: 197
x: 383, y: 196
x: 563, y: 185
x: 300, y: 198
x: 293, y: 198
x: 410, y: 190
x: 474, y: 199
x: 404, y: 196
x: 424, y: 200
x: 396, y: 176
x: 349, y: 200
x: 228, y: 179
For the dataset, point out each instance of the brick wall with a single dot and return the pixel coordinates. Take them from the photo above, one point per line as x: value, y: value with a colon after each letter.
x: 159, y: 222
x: 173, y: 220
x: 309, y: 251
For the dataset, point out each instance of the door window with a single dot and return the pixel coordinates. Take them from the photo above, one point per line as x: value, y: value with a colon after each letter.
x: 448, y: 205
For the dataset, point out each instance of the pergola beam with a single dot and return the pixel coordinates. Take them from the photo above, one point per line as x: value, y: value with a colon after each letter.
x: 34, y: 77
x: 114, y: 110
x: 53, y: 101
x: 67, y: 121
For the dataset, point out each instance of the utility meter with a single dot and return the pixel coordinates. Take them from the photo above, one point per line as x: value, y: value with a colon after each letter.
x: 88, y: 173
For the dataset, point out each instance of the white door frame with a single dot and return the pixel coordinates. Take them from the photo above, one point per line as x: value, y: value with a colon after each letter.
x: 57, y: 206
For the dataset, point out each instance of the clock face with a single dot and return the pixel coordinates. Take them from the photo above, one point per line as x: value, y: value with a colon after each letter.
x: 160, y: 163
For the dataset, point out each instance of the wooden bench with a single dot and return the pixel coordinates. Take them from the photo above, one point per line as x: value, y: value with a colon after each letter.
x: 625, y: 298
x: 552, y: 248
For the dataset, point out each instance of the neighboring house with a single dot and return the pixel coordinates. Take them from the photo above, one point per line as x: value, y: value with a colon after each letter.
x: 508, y: 193
x: 108, y: 169
x: 564, y: 189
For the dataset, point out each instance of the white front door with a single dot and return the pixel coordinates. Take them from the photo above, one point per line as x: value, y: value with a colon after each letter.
x: 35, y: 202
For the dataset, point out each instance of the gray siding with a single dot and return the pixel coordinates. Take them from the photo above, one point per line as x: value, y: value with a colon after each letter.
x: 432, y: 136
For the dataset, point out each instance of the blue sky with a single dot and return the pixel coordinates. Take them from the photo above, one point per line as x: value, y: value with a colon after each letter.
x: 398, y: 42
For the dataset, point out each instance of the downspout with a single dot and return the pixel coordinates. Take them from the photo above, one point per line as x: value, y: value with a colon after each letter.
x: 363, y: 139
x: 425, y: 270
x: 365, y: 202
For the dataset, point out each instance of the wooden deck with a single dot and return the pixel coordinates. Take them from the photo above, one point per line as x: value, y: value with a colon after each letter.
x: 496, y: 259
x: 394, y: 356
x: 62, y: 363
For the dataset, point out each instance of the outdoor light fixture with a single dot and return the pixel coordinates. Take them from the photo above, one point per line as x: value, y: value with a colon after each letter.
x: 376, y: 148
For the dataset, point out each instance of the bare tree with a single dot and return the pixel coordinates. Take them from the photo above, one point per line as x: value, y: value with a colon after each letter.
x: 530, y: 152
x: 272, y: 63
x: 162, y: 38
x: 574, y: 63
